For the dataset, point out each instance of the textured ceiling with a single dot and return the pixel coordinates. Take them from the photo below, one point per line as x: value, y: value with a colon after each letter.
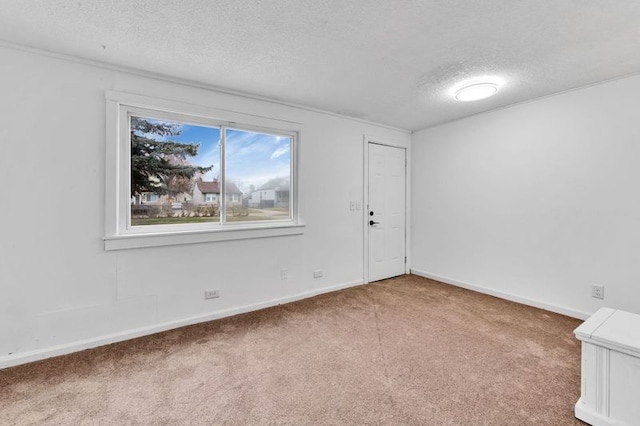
x: 388, y: 61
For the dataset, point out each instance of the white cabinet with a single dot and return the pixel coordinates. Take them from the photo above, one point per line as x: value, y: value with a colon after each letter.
x: 610, y: 392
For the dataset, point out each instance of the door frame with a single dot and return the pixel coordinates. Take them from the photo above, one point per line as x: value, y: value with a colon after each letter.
x: 365, y: 204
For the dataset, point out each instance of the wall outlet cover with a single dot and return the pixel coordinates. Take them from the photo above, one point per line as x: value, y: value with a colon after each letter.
x: 211, y: 294
x: 597, y: 291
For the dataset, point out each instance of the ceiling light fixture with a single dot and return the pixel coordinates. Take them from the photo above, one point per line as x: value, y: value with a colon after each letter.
x: 476, y: 91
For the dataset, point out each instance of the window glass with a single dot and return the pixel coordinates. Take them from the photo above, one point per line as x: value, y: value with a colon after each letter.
x: 258, y: 175
x: 149, y: 198
x: 174, y: 166
x: 177, y: 173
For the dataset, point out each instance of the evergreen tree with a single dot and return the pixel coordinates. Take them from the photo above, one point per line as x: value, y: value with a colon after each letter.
x: 157, y: 165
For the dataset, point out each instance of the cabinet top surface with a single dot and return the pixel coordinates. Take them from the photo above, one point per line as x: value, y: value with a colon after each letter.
x: 612, y: 328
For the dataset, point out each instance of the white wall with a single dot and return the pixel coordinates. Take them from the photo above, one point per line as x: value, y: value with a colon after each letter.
x: 61, y: 291
x: 535, y: 202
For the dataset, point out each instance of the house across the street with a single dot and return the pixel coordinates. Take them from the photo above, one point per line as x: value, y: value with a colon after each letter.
x: 274, y: 193
x: 208, y: 192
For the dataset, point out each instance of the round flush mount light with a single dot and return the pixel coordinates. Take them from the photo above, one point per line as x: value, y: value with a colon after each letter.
x: 476, y: 91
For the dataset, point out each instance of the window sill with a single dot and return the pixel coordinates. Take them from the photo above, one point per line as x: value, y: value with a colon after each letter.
x: 129, y: 241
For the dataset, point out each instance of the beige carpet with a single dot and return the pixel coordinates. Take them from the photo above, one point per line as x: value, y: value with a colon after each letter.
x: 405, y: 351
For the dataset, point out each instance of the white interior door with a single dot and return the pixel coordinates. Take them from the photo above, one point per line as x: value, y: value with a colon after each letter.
x: 386, y: 218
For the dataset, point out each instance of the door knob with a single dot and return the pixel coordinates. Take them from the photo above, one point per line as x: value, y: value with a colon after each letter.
x: 371, y: 223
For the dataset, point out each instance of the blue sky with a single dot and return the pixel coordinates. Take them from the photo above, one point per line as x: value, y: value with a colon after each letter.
x: 252, y: 158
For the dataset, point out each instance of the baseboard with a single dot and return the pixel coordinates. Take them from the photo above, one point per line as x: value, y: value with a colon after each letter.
x: 512, y: 297
x: 40, y: 354
x: 591, y: 417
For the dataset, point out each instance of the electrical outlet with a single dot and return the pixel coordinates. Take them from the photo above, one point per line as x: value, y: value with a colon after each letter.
x: 318, y: 274
x: 358, y: 205
x: 352, y: 205
x: 284, y: 274
x: 211, y: 294
x: 597, y: 291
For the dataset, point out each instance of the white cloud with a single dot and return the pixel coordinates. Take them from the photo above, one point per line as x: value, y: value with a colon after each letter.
x: 280, y: 152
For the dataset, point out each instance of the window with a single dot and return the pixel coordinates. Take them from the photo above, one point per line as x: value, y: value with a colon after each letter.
x: 149, y: 198
x: 180, y: 173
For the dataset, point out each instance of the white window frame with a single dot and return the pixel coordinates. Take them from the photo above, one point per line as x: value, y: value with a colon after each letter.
x: 120, y: 235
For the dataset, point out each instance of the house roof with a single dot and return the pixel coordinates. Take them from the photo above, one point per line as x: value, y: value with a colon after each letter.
x: 208, y: 187
x: 279, y: 184
x: 213, y: 187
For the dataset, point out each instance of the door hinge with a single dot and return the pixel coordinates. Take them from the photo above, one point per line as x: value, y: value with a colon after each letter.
x: 405, y: 259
